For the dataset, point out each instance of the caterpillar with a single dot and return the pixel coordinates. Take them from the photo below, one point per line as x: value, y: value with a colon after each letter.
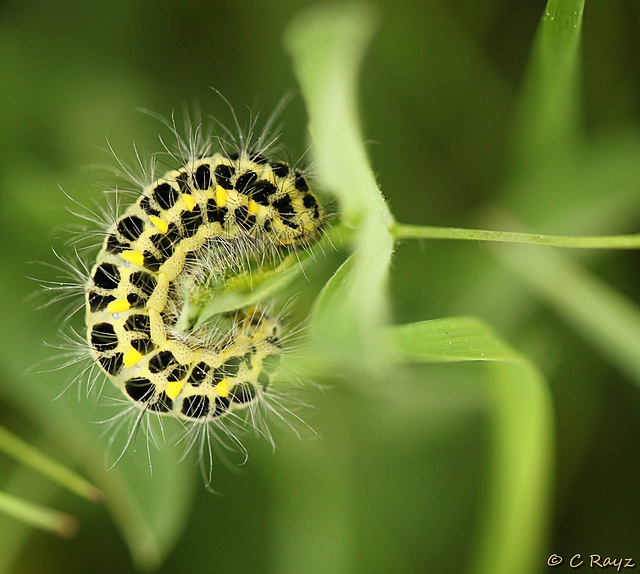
x: 224, y: 209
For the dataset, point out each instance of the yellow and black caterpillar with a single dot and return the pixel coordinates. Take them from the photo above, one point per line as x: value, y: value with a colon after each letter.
x: 218, y: 208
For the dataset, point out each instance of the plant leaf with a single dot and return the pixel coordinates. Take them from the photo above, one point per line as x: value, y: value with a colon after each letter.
x: 450, y: 339
x: 38, y: 516
x: 549, y: 117
x: 247, y: 289
x: 515, y: 510
x: 327, y: 44
x: 28, y: 455
x: 349, y: 314
x: 602, y: 315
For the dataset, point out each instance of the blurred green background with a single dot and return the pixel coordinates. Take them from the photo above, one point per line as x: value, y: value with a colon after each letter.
x: 387, y: 487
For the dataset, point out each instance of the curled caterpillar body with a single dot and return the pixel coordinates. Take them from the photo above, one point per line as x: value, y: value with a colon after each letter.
x: 212, y: 207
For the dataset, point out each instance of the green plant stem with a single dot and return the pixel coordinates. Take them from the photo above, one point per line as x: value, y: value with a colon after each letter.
x: 404, y: 231
x: 38, y: 516
x: 22, y: 451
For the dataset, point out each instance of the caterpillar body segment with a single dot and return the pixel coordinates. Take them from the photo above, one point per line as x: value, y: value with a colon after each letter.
x: 217, y: 208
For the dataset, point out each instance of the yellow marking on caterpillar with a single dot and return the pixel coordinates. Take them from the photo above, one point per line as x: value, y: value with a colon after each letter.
x: 221, y: 196
x: 191, y: 203
x: 222, y: 388
x: 118, y: 306
x: 131, y: 357
x: 253, y: 207
x: 134, y: 257
x: 161, y: 224
x: 173, y: 389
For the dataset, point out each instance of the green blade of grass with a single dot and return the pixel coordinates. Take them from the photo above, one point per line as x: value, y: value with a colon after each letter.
x: 602, y: 315
x: 449, y: 340
x: 23, y: 482
x: 327, y: 44
x: 514, y: 513
x: 38, y: 516
x: 148, y: 505
x: 22, y: 451
x: 549, y: 117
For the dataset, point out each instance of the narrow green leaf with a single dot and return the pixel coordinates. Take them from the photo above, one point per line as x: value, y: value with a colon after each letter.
x: 450, y: 339
x: 549, y: 117
x: 602, y: 315
x: 38, y: 516
x: 327, y: 44
x: 338, y: 339
x: 514, y: 522
x: 23, y: 482
x: 22, y: 451
x: 514, y: 514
